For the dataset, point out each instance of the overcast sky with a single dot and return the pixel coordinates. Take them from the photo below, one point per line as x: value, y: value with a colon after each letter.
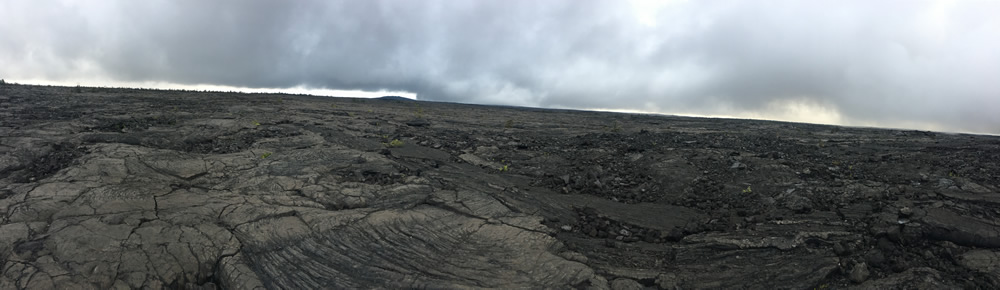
x: 912, y: 64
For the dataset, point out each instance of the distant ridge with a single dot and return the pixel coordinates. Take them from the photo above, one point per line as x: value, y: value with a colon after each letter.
x: 396, y: 98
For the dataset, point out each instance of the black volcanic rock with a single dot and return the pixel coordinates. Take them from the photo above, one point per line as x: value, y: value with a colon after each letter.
x: 120, y: 188
x: 418, y: 122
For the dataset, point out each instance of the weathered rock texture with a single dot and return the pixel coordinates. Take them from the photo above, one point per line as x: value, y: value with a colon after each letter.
x: 121, y: 188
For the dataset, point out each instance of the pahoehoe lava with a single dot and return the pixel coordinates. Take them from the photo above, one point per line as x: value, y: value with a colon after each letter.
x: 128, y: 188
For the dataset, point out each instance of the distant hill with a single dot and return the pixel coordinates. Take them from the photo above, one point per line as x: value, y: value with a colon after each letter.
x: 396, y: 98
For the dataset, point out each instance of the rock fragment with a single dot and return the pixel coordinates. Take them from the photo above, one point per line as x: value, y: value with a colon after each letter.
x: 418, y: 122
x: 859, y: 273
x: 905, y: 211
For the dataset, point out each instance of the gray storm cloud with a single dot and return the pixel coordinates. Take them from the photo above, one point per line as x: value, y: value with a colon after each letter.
x: 929, y: 63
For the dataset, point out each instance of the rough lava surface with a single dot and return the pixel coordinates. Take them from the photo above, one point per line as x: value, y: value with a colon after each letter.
x: 122, y: 188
